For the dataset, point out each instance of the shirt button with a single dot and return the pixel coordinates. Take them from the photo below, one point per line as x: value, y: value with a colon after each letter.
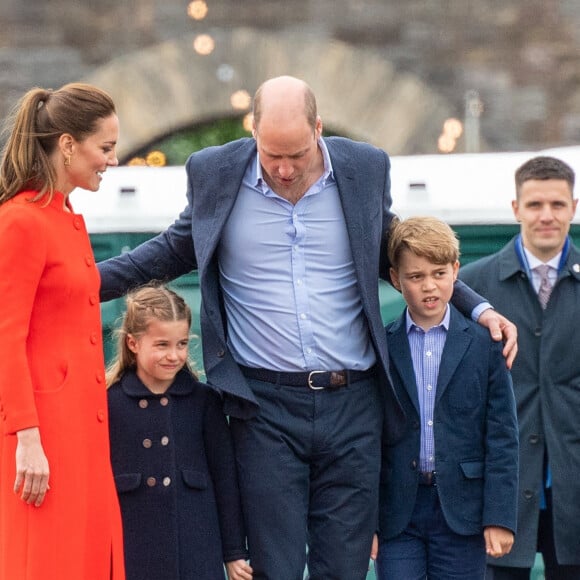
x: 167, y: 481
x: 430, y: 423
x: 164, y: 440
x: 429, y: 387
x: 147, y: 443
x: 303, y: 316
x: 164, y: 401
x: 428, y: 353
x: 143, y: 403
x: 151, y: 481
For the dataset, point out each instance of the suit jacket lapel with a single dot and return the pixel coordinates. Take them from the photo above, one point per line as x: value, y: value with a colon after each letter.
x: 225, y: 187
x: 456, y: 345
x: 400, y: 355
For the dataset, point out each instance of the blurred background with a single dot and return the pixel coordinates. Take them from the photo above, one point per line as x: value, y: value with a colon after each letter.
x: 420, y: 76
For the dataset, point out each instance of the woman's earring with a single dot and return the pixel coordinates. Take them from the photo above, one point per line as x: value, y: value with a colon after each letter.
x: 67, y: 161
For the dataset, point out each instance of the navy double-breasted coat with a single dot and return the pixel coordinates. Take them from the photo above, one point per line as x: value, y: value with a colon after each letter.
x: 173, y: 463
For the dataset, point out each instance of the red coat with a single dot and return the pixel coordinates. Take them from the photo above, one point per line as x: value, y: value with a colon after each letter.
x: 52, y: 376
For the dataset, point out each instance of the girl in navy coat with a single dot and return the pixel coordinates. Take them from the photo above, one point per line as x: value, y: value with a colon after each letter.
x: 171, y: 451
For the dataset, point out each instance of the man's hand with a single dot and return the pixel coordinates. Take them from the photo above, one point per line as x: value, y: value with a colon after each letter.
x: 498, y: 541
x: 501, y: 328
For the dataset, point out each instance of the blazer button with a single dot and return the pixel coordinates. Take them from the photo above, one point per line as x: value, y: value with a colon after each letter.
x: 413, y: 464
x: 538, y: 331
x: 151, y: 481
x: 528, y: 494
x: 221, y: 353
x: 534, y: 439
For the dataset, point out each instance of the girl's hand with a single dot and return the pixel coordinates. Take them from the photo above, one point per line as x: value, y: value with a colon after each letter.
x: 239, y: 570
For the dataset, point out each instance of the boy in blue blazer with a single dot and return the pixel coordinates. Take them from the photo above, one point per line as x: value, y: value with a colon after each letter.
x: 449, y: 485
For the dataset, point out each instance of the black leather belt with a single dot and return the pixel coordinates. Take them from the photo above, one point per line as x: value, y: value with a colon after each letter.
x: 427, y: 478
x: 315, y: 380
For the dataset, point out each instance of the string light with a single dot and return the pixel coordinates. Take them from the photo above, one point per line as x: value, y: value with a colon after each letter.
x: 197, y: 9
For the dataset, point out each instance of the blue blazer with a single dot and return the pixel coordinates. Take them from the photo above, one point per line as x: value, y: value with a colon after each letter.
x: 214, y: 178
x: 476, y: 434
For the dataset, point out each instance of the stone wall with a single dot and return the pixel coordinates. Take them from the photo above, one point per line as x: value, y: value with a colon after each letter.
x: 521, y: 56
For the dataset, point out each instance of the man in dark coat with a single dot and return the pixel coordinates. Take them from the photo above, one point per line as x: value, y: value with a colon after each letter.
x: 546, y: 374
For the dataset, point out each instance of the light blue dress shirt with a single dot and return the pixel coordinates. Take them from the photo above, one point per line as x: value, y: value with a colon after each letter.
x: 426, y: 349
x: 288, y: 279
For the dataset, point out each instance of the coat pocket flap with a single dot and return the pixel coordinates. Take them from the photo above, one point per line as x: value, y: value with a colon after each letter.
x: 194, y: 479
x: 127, y: 482
x: 472, y: 469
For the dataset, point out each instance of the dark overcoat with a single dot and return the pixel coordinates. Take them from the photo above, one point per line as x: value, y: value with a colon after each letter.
x: 475, y: 429
x: 546, y: 376
x: 174, y: 469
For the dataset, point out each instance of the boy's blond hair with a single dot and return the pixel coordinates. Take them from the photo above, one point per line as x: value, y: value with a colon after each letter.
x: 427, y: 237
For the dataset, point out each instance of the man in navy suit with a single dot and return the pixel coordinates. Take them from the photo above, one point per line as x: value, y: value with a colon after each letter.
x: 287, y: 232
x: 449, y: 485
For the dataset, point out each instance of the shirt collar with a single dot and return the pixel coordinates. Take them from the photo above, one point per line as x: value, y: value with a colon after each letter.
x: 535, y: 262
x: 444, y: 323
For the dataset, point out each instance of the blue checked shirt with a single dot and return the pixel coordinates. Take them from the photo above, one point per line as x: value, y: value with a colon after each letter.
x: 426, y: 349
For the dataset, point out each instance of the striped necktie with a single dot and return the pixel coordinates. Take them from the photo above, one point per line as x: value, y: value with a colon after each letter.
x: 545, y: 285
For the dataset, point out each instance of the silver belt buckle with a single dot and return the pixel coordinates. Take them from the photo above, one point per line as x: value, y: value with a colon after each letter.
x: 310, y: 380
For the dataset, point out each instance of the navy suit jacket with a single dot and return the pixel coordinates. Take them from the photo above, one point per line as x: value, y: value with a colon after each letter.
x: 475, y: 428
x: 214, y: 178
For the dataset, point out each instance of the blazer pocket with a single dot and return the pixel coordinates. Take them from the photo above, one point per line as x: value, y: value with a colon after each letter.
x: 194, y: 479
x: 126, y: 482
x: 471, y: 491
x: 472, y: 469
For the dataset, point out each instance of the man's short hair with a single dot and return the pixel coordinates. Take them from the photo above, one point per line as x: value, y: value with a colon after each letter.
x: 544, y: 168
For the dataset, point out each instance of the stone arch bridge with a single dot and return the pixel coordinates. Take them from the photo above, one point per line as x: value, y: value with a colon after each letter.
x: 169, y: 87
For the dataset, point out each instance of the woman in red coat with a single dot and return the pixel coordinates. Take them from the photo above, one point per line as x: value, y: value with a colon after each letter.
x: 59, y: 516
